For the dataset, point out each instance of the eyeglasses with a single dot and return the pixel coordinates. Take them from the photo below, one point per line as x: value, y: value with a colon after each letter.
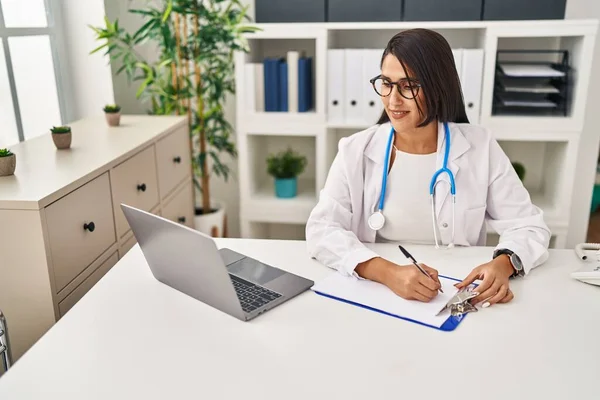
x: 408, y: 88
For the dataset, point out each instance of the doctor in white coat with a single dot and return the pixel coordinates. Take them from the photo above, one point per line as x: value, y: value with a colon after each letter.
x: 423, y: 108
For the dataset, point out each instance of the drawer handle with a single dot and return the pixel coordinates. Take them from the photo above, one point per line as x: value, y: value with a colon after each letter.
x: 181, y: 220
x: 177, y: 160
x: 89, y: 227
x: 142, y: 187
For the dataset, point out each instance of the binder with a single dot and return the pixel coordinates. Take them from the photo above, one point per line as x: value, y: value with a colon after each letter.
x: 335, y: 86
x: 292, y: 80
x: 250, y: 87
x: 376, y: 297
x: 304, y: 84
x: 283, y: 86
x: 457, y: 53
x: 372, y: 106
x: 472, y: 78
x: 259, y: 87
x: 354, y: 92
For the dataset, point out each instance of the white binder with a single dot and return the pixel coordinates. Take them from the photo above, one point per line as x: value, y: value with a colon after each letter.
x: 335, y: 86
x: 259, y: 87
x: 458, y: 62
x: 354, y: 90
x: 472, y: 78
x: 372, y: 105
x: 249, y: 87
x: 292, y: 62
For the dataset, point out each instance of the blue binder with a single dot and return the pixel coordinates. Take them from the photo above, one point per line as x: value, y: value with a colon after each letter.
x: 451, y: 323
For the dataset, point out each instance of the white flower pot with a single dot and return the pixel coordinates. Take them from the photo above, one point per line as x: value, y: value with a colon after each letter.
x: 212, y: 224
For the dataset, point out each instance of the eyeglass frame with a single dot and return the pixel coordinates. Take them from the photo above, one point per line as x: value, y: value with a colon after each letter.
x: 413, y: 82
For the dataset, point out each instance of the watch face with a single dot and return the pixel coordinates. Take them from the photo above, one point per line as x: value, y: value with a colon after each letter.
x: 516, y: 262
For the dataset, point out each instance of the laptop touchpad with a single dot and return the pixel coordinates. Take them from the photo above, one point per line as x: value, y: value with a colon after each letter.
x: 254, y: 271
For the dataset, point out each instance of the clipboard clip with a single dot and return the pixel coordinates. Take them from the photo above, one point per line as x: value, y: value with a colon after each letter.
x: 459, y: 303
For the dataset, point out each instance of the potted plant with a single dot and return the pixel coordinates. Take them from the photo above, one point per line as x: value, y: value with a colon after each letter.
x: 112, y: 113
x: 285, y: 168
x: 520, y: 169
x: 61, y: 135
x: 8, y: 162
x: 192, y: 74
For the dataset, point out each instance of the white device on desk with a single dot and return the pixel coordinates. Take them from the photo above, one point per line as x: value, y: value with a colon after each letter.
x: 590, y: 273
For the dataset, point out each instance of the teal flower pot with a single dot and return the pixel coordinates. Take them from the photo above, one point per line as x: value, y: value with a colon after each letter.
x: 286, y: 188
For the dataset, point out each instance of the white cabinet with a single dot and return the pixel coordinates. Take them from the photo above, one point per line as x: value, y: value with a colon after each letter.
x: 61, y: 224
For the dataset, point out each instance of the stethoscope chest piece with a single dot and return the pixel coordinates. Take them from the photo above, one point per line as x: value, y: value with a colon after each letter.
x: 376, y: 220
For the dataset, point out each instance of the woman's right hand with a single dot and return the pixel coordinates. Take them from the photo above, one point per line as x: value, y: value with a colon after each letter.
x: 404, y: 280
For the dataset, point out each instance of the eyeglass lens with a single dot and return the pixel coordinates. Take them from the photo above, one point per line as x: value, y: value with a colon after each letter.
x: 407, y: 89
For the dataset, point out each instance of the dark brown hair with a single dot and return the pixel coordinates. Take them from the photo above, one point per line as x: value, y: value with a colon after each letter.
x: 429, y: 57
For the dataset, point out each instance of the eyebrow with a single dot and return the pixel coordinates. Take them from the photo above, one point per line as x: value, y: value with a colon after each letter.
x: 399, y: 80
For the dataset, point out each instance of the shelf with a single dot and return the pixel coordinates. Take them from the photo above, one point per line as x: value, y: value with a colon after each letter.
x: 283, y: 123
x: 264, y: 206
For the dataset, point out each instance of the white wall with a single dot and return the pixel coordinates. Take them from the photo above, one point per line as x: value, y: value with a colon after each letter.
x: 88, y: 78
x: 586, y: 164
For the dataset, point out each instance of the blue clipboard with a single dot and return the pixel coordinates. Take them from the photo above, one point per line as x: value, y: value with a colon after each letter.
x: 449, y: 325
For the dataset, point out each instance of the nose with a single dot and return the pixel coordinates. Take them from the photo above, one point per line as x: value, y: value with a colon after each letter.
x: 395, y: 97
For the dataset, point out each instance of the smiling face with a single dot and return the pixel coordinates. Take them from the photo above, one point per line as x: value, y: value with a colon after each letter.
x: 404, y: 113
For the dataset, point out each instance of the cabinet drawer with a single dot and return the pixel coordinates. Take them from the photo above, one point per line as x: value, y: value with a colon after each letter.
x: 73, y: 297
x: 80, y: 229
x: 130, y: 240
x: 173, y: 159
x: 134, y: 183
x: 181, y: 207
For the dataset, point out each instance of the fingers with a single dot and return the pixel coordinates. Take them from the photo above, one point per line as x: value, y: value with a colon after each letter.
x: 425, y: 291
x: 420, y: 297
x: 488, y: 289
x: 509, y: 296
x: 433, y: 273
x: 428, y: 282
x: 469, y: 279
x: 502, y: 292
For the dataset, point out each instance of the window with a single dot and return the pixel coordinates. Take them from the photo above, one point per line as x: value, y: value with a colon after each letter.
x: 30, y: 96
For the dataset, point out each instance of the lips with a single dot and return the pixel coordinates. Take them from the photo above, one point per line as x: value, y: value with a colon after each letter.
x: 397, y: 114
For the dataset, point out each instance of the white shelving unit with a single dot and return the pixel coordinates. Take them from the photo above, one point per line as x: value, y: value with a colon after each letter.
x: 547, y: 146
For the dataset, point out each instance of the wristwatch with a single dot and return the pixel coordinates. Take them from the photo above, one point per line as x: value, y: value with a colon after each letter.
x: 514, y: 260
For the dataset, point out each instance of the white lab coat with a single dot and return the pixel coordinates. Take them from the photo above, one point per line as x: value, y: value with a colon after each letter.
x: 487, y: 188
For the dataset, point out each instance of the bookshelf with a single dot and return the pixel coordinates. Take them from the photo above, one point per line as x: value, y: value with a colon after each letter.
x: 548, y: 146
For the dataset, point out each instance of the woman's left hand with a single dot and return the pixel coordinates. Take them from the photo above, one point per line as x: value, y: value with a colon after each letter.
x: 494, y: 287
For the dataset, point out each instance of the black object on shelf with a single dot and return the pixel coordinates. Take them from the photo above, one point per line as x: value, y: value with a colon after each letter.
x: 532, y: 88
x: 290, y: 10
x: 442, y: 10
x: 363, y: 10
x: 523, y: 9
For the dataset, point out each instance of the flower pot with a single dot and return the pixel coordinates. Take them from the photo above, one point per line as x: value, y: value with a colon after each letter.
x: 62, y: 140
x: 213, y: 222
x: 286, y: 188
x: 7, y: 165
x: 113, y: 119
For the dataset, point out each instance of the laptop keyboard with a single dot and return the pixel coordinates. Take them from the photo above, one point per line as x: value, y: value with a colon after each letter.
x: 251, y: 295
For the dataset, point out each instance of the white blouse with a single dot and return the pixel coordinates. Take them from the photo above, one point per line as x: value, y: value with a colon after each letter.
x: 407, y: 206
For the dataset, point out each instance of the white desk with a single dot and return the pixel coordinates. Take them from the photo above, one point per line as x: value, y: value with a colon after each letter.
x: 131, y: 337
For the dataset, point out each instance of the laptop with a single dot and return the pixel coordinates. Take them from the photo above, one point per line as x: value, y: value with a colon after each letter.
x: 190, y: 262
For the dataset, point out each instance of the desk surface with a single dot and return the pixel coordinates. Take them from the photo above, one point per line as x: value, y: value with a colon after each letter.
x: 133, y: 337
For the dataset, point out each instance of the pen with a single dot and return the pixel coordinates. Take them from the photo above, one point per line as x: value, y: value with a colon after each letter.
x: 408, y: 255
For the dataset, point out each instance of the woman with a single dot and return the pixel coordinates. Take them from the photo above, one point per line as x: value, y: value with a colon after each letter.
x: 423, y: 110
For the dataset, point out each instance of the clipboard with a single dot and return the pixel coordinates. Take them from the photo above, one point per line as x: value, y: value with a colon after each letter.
x: 450, y: 323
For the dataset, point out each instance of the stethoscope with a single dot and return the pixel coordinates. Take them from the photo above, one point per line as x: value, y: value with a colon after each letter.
x: 377, y: 220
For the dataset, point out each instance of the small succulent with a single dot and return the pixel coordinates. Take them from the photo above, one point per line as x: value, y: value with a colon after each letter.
x: 61, y: 129
x: 112, y: 108
x: 5, y: 153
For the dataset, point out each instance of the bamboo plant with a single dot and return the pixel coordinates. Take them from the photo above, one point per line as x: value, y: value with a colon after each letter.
x: 194, y: 71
